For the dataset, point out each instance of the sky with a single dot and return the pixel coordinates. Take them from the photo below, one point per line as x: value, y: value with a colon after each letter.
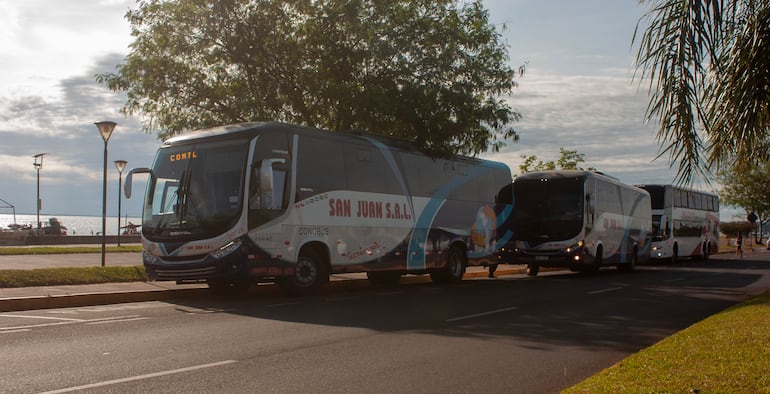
x: 578, y: 93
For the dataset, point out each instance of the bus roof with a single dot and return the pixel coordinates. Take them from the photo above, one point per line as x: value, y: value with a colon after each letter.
x: 573, y: 174
x: 252, y: 129
x: 562, y: 174
x: 663, y: 186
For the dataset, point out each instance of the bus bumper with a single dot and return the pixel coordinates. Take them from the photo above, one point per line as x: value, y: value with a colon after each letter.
x: 576, y: 260
x: 239, y: 260
x: 659, y: 253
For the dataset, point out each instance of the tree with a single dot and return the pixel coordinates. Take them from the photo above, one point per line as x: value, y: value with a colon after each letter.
x: 732, y: 229
x: 568, y: 160
x: 708, y: 65
x: 430, y: 70
x: 748, y: 187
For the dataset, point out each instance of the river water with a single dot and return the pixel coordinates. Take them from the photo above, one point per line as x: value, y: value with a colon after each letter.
x: 76, y: 225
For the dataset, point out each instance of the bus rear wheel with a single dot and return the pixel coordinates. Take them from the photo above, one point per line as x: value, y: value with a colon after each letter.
x: 532, y: 269
x: 454, y: 270
x: 309, y: 273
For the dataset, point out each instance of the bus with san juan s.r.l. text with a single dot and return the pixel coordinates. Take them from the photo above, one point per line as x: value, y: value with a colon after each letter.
x: 246, y: 203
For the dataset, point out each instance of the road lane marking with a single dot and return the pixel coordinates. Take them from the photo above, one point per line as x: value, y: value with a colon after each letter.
x: 13, y: 331
x: 65, y: 322
x: 117, y: 320
x: 605, y: 290
x: 454, y: 319
x: 43, y: 317
x: 139, y: 377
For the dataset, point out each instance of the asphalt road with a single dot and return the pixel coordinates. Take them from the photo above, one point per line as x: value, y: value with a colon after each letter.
x: 511, y: 334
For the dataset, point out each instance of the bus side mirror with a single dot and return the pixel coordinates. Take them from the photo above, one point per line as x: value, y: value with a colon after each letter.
x: 266, y: 177
x: 130, y: 176
x: 591, y: 203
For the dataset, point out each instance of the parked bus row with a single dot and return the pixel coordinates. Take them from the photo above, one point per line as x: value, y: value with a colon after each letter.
x: 240, y: 204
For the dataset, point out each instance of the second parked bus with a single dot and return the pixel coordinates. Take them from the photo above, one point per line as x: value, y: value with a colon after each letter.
x: 582, y: 220
x: 685, y: 223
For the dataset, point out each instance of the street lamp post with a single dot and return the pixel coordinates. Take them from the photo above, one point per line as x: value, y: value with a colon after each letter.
x: 38, y: 166
x: 105, y: 129
x: 120, y: 165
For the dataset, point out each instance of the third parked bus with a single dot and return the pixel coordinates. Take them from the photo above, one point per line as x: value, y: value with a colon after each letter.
x: 685, y: 223
x: 582, y: 220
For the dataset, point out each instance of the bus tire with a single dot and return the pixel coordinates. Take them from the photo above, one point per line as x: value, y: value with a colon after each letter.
x: 631, y: 265
x: 454, y: 270
x: 675, y: 254
x: 598, y: 261
x: 383, y: 278
x: 532, y: 269
x: 310, y: 272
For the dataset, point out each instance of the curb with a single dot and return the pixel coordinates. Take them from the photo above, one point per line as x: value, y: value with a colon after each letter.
x: 92, y: 299
x: 119, y: 297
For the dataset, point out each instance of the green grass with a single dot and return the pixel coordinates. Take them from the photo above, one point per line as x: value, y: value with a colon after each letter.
x: 12, y: 250
x: 726, y: 353
x: 70, y: 276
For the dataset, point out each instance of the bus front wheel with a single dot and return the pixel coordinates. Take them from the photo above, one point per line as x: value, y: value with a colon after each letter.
x: 532, y: 269
x: 630, y: 266
x: 675, y: 254
x: 309, y: 273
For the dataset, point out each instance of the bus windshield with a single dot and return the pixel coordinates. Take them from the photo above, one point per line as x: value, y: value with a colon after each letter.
x: 548, y: 211
x: 196, y: 190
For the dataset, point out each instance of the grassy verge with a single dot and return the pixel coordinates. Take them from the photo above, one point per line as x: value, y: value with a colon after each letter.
x: 726, y: 353
x: 70, y: 276
x: 11, y: 250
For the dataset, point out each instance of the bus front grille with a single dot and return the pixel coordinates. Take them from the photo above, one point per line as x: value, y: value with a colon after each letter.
x: 193, y: 273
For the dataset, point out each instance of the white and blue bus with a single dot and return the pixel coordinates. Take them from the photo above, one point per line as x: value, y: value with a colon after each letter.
x: 240, y: 204
x: 685, y: 222
x: 582, y: 220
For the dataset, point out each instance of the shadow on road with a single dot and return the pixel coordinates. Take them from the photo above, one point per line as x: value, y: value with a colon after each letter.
x: 607, y: 310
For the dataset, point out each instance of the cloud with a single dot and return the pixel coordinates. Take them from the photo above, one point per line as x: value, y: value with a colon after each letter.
x: 63, y: 127
x: 599, y: 116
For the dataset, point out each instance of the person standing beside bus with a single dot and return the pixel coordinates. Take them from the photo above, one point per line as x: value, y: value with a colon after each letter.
x: 738, y: 245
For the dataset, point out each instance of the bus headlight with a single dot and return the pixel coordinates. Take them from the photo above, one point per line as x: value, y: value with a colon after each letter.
x: 148, y: 257
x: 656, y: 247
x: 227, y: 249
x: 574, y: 248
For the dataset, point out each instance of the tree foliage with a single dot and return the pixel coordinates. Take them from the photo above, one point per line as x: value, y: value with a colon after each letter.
x: 568, y: 160
x: 748, y: 187
x: 708, y: 65
x: 732, y: 229
x: 431, y: 70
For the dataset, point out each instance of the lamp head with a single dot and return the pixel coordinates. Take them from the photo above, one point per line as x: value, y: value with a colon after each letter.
x: 120, y: 165
x: 105, y: 129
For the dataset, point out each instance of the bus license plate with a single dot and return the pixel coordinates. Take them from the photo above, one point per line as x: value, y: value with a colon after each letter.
x: 541, y: 258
